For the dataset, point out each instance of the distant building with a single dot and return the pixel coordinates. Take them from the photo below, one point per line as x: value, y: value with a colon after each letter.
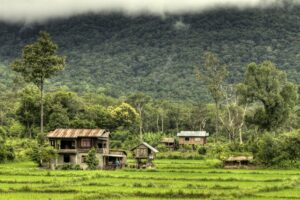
x: 73, y: 146
x: 169, y: 143
x: 144, y: 154
x: 237, y: 161
x: 192, y: 137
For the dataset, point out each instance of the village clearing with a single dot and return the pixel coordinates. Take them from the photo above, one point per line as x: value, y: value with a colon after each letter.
x: 176, y: 179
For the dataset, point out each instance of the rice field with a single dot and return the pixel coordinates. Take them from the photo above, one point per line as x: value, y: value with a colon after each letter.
x: 172, y: 179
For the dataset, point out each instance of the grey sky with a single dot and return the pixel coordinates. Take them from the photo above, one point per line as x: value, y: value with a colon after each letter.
x: 39, y: 10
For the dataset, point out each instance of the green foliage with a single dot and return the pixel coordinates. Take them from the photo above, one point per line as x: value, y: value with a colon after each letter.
x: 16, y: 129
x: 150, y: 54
x: 3, y: 134
x: 39, y: 60
x: 42, y: 154
x: 28, y: 111
x: 124, y: 115
x: 6, y: 151
x: 2, y: 145
x: 202, y: 150
x: 266, y: 85
x: 218, y: 150
x: 22, y: 147
x: 69, y: 166
x: 179, y: 155
x: 213, y: 75
x: 153, y: 138
x: 186, y: 148
x: 162, y: 148
x: 277, y: 151
x: 290, y: 145
x: 92, y: 160
x: 268, y: 150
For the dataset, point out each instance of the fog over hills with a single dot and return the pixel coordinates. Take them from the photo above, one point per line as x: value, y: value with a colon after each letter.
x: 157, y: 53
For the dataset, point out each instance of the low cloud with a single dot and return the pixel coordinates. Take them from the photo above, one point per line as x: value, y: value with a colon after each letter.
x: 41, y: 10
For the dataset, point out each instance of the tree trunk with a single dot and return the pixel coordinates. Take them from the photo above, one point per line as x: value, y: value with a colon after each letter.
x: 42, y: 106
x: 162, y: 123
x: 157, y: 122
x: 217, y: 119
x: 241, y: 136
x: 28, y: 129
x: 141, y: 125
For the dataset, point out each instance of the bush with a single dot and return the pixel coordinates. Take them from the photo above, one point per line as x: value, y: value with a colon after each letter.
x: 289, y: 144
x: 22, y: 148
x: 218, y: 150
x: 186, y: 147
x: 282, y: 151
x: 180, y: 155
x: 10, y: 153
x: 16, y: 129
x: 202, y: 150
x: 268, y: 150
x: 153, y: 139
x: 42, y: 154
x: 92, y: 160
x: 69, y: 166
x: 162, y: 148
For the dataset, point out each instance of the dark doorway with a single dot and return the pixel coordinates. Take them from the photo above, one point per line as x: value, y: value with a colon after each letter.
x: 101, y: 145
x: 66, y: 158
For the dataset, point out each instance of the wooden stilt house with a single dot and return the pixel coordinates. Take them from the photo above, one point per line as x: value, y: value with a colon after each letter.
x: 144, y: 154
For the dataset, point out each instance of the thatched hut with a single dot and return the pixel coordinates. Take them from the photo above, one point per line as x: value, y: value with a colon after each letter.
x: 237, y: 161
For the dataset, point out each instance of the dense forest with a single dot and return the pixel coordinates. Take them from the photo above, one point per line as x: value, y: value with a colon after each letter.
x: 232, y: 73
x: 117, y: 55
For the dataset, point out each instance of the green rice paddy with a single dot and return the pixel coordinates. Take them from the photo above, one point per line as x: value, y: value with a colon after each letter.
x: 172, y: 179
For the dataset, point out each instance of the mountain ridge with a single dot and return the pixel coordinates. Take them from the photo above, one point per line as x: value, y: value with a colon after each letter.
x: 119, y: 54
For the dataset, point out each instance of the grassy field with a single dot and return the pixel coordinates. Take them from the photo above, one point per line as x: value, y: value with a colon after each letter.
x: 172, y: 179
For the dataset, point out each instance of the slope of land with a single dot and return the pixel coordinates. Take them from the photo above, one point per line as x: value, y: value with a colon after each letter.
x: 157, y: 55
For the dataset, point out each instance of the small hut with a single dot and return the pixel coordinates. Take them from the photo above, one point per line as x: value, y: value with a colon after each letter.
x: 237, y: 161
x: 192, y: 137
x: 169, y: 143
x: 144, y: 154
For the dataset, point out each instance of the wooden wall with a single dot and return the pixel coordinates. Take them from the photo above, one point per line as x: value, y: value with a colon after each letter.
x: 193, y: 140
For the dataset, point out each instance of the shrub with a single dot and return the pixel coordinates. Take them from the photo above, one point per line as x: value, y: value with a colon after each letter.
x: 43, y: 154
x: 70, y: 166
x: 268, y: 150
x: 16, y: 129
x: 153, y: 138
x: 162, y: 148
x: 180, y: 155
x: 202, y: 150
x: 186, y: 147
x: 289, y: 144
x: 92, y: 160
x: 218, y: 150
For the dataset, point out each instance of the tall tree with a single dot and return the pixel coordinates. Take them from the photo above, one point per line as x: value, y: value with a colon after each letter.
x: 233, y: 115
x: 274, y: 96
x: 38, y: 62
x: 29, y: 108
x: 213, y: 74
x: 139, y: 100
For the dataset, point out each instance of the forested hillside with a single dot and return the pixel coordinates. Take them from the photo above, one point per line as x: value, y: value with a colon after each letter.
x: 120, y: 54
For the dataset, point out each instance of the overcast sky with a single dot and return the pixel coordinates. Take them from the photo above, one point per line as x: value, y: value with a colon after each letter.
x: 40, y: 10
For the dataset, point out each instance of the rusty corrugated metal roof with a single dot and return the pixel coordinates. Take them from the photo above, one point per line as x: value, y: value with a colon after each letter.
x: 74, y: 133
